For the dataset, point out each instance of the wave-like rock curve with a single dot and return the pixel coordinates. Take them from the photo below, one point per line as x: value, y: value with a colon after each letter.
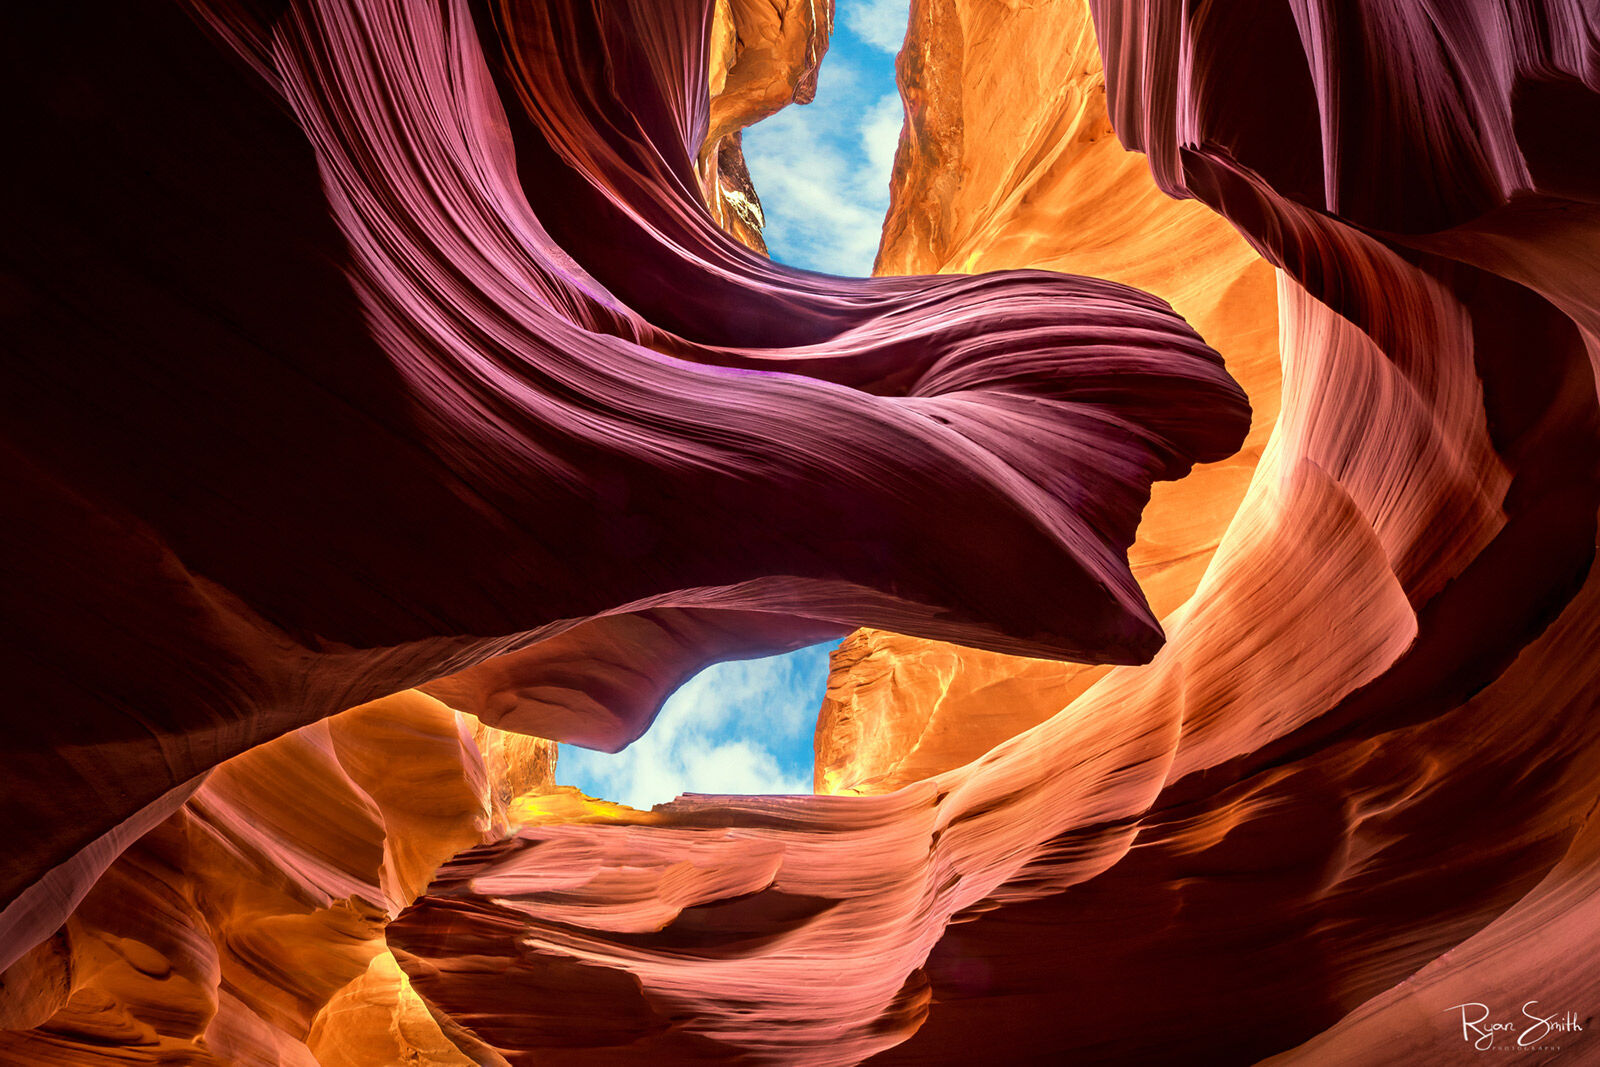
x: 362, y: 343
x: 405, y: 351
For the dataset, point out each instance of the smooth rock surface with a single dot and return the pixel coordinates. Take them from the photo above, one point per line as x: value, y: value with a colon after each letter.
x: 413, y: 359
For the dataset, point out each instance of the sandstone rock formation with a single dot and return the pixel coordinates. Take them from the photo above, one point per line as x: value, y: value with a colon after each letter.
x: 248, y: 926
x: 762, y: 56
x: 368, y: 345
x: 332, y: 417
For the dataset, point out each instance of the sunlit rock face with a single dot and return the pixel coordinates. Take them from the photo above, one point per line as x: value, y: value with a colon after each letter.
x: 762, y: 57
x: 1008, y: 160
x: 248, y: 926
x: 395, y: 355
x: 373, y: 348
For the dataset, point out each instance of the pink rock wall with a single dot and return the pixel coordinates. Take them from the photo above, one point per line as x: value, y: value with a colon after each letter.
x: 368, y: 346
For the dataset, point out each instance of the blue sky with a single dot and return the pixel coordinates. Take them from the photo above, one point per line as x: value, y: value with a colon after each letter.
x: 822, y: 171
x: 739, y: 727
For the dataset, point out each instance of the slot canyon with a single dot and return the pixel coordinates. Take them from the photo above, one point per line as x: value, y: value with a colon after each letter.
x: 1203, y: 490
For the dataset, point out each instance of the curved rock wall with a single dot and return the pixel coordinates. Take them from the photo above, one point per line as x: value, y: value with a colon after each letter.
x: 404, y: 351
x: 1008, y: 160
x: 248, y: 926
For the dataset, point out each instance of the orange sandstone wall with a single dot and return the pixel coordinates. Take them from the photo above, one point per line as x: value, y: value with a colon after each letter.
x: 1354, y: 786
x: 247, y: 928
x: 1008, y: 161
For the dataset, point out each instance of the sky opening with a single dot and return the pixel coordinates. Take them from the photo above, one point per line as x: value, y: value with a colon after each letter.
x: 822, y: 171
x: 740, y: 727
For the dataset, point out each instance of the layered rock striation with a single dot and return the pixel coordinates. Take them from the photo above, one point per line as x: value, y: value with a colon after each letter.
x: 368, y: 346
x: 248, y: 926
x: 401, y: 342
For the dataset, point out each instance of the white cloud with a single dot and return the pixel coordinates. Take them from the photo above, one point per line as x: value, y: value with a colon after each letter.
x: 880, y: 133
x: 740, y: 767
x: 880, y: 23
x: 742, y: 727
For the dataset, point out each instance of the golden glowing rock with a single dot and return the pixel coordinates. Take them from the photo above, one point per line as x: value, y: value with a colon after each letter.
x: 248, y: 927
x: 565, y: 804
x: 1008, y: 160
x: 899, y: 710
x: 763, y: 57
x: 1355, y: 788
x: 378, y: 1021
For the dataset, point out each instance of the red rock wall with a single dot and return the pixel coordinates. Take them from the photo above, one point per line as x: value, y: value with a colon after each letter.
x: 371, y: 346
